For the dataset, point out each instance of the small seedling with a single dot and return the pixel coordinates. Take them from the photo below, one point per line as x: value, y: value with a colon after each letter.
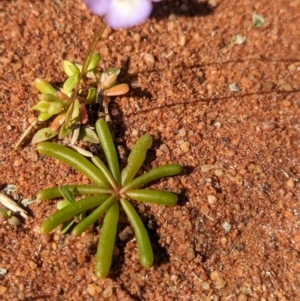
x: 66, y: 106
x: 112, y: 188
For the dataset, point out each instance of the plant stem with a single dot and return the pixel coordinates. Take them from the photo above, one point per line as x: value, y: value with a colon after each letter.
x: 96, y: 38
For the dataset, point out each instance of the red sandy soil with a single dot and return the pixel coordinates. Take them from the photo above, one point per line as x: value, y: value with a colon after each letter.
x: 235, y: 233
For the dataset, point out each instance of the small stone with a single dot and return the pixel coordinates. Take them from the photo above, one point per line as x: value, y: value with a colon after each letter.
x: 134, y: 133
x: 14, y: 221
x: 18, y: 162
x: 135, y: 83
x: 234, y: 87
x: 220, y: 283
x: 226, y: 226
x: 3, y: 289
x: 137, y: 37
x: 219, y: 172
x: 287, y: 87
x: 211, y: 199
x: 242, y: 297
x: 205, y: 285
x: 149, y: 58
x: 290, y: 183
x: 205, y: 209
x: 32, y: 265
x: 185, y: 146
x: 292, y: 67
x: 107, y: 292
x: 190, y: 254
x: 91, y: 289
x: 268, y: 126
x: 206, y: 167
x: 164, y: 148
x: 286, y: 103
x: 223, y: 241
x: 212, y: 3
x: 182, y: 41
x: 215, y: 275
x: 182, y: 132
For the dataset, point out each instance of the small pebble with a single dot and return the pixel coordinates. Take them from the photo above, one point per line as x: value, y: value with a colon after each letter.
x: 135, y: 83
x: 212, y: 3
x: 91, y: 289
x: 211, y: 199
x: 107, y: 292
x: 290, y: 183
x: 220, y: 283
x: 149, y: 58
x: 185, y: 146
x: 219, y: 172
x: 205, y: 285
x: 3, y: 289
x: 226, y: 226
x: 206, y: 167
x: 182, y: 132
x: 14, y: 221
x: 215, y: 275
x: 242, y: 297
x: 286, y: 103
x: 266, y: 126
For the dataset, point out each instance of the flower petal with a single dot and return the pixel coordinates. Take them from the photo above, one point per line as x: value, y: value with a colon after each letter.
x: 98, y: 7
x: 127, y: 13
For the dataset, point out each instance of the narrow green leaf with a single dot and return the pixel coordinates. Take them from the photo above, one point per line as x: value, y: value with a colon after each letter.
x: 92, y: 95
x: 43, y: 135
x: 70, y: 68
x: 94, y: 61
x: 154, y: 174
x: 66, y: 226
x: 153, y: 196
x: 94, y: 216
x: 142, y: 238
x: 41, y: 106
x: 136, y: 158
x: 48, y: 97
x: 43, y: 86
x: 44, y: 116
x: 62, y: 204
x: 75, y: 160
x: 67, y: 194
x: 64, y: 132
x: 87, y: 134
x: 55, y: 192
x: 107, y: 242
x: 70, y: 83
x: 109, y: 149
x: 70, y: 211
x: 73, y: 113
x: 55, y: 108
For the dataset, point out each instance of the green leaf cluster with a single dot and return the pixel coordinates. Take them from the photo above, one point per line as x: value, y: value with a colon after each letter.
x: 113, y: 189
x: 66, y: 106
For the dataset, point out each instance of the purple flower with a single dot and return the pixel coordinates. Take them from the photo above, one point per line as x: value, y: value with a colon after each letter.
x: 121, y: 13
